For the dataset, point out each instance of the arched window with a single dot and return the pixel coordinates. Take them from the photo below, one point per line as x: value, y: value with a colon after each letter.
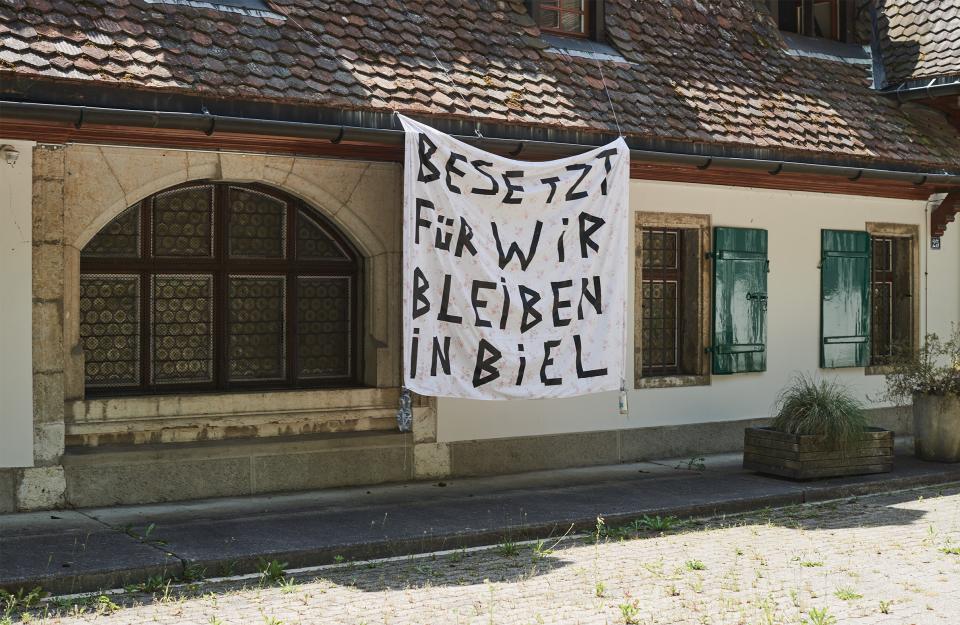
x: 218, y: 286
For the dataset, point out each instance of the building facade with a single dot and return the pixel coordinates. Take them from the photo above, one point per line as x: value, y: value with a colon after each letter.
x: 202, y: 231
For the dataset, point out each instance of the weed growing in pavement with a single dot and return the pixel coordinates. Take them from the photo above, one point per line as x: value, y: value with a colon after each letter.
x: 600, y: 529
x: 697, y: 463
x: 656, y: 523
x: 769, y: 608
x: 819, y: 617
x: 846, y: 594
x: 599, y: 589
x: 795, y: 598
x: 695, y: 565
x: 19, y: 601
x: 885, y: 606
x: 166, y: 597
x: 271, y: 572
x: 540, y: 550
x: 697, y: 585
x: 630, y: 611
x: 508, y: 548
x: 145, y: 536
x: 288, y: 585
x: 950, y: 551
x: 103, y: 605
x: 811, y: 563
x: 152, y: 584
x: 654, y: 568
x: 194, y: 573
x: 271, y: 620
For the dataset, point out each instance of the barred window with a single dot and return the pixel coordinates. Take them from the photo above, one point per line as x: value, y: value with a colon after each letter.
x: 566, y: 17
x: 891, y: 320
x: 662, y: 301
x: 672, y: 322
x: 218, y: 286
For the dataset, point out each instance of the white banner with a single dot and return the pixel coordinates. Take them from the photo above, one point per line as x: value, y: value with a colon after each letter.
x: 514, y: 272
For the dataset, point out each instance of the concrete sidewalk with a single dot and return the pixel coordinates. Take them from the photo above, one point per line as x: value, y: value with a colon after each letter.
x: 84, y: 550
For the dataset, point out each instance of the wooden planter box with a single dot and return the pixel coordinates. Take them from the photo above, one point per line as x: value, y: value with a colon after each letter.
x: 809, y: 457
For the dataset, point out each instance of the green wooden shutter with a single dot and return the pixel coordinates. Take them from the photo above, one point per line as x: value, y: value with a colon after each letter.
x: 739, y: 300
x: 844, y: 299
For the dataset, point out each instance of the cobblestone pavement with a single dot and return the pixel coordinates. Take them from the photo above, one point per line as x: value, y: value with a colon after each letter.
x: 890, y: 558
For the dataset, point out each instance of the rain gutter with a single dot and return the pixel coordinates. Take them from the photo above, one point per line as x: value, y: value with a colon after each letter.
x: 933, y: 89
x: 211, y: 124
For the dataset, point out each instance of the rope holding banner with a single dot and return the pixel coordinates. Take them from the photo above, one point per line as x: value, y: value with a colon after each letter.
x: 405, y: 413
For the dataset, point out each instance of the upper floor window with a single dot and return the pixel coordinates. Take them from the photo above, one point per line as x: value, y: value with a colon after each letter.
x: 565, y: 17
x: 218, y: 286
x: 569, y: 18
x: 826, y: 19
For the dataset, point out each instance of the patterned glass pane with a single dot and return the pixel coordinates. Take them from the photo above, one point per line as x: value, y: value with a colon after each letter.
x: 118, y: 239
x: 661, y: 295
x: 323, y: 330
x: 110, y: 329
x: 255, y: 327
x: 182, y: 328
x: 660, y: 249
x: 313, y: 243
x: 882, y: 254
x: 183, y: 222
x: 258, y: 225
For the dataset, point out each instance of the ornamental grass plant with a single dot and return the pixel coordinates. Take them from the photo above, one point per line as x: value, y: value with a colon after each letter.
x: 820, y: 407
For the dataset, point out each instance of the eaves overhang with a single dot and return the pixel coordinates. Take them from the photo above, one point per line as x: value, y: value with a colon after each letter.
x: 83, y: 105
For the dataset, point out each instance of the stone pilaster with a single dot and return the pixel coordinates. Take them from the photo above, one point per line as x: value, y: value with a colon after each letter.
x: 43, y: 485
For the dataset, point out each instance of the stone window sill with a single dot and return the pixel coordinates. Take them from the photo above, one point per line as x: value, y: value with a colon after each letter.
x: 218, y: 416
x: 672, y: 381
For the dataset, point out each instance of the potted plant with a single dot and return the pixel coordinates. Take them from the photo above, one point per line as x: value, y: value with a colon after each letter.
x: 819, y: 431
x: 930, y: 378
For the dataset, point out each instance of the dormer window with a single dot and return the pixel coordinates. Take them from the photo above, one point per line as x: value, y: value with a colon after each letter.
x: 564, y: 17
x: 569, y: 18
x: 826, y: 19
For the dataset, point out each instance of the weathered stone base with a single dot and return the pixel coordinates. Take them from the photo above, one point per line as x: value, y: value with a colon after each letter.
x: 156, y: 473
x: 8, y: 491
x: 40, y: 488
x: 533, y: 453
x: 113, y: 475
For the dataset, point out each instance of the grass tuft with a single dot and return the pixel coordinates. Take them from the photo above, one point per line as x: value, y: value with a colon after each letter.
x: 811, y: 406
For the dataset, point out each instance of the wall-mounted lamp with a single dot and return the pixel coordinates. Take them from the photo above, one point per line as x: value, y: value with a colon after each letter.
x: 9, y: 154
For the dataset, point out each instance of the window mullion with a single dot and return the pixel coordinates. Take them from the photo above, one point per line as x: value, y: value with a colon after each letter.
x: 146, y: 319
x: 291, y: 294
x: 220, y: 279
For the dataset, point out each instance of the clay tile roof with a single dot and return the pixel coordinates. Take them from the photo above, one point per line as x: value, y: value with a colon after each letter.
x: 684, y: 72
x: 919, y: 39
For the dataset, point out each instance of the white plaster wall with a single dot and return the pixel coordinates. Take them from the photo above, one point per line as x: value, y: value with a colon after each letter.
x: 16, y: 302
x: 794, y: 221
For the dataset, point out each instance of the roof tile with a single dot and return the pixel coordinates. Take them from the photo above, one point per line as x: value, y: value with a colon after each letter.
x: 703, y: 71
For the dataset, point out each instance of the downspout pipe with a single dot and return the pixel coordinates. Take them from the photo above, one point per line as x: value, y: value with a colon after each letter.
x: 210, y: 124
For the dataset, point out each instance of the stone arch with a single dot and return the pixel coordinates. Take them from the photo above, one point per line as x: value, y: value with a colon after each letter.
x: 361, y: 199
x: 102, y: 182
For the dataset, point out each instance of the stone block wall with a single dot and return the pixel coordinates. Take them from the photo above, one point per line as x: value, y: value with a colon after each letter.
x: 78, y: 189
